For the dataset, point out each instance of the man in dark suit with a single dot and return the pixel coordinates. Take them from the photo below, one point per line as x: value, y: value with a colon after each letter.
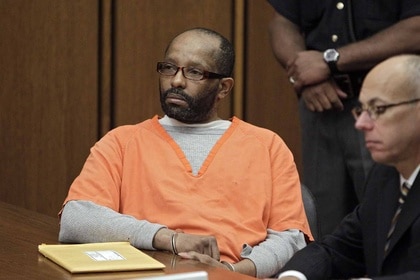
x: 380, y: 239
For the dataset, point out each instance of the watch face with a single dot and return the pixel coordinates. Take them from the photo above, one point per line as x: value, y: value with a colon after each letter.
x: 331, y: 55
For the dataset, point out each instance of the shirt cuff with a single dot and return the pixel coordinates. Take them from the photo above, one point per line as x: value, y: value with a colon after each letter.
x: 294, y: 273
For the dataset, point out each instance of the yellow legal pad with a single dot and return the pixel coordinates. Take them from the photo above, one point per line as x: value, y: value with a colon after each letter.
x: 99, y: 257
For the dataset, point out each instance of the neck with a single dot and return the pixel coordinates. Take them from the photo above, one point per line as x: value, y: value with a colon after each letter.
x: 208, y: 120
x: 166, y: 120
x: 406, y: 170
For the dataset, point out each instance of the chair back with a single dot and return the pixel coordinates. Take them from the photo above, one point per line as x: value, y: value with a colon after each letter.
x: 310, y: 210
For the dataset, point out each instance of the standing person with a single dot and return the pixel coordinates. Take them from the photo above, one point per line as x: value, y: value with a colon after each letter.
x: 327, y: 47
x: 189, y: 182
x: 380, y: 239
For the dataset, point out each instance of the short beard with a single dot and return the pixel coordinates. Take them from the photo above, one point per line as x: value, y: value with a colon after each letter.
x: 199, y: 108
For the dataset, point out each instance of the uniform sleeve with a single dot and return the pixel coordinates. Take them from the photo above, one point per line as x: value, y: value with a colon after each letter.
x: 87, y: 222
x: 287, y: 8
x: 287, y: 210
x: 409, y: 8
x: 272, y: 254
x: 100, y: 178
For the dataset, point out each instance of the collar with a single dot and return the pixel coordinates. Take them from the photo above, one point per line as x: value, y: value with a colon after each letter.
x: 413, y: 176
x: 217, y: 124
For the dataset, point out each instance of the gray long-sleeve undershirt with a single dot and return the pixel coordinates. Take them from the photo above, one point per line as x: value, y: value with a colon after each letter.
x: 85, y: 221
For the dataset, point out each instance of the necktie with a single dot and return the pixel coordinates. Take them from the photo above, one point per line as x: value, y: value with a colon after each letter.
x: 403, y: 195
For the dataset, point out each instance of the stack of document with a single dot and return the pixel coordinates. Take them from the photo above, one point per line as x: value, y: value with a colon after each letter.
x: 99, y: 257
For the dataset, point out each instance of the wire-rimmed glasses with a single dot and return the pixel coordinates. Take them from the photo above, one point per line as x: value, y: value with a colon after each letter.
x: 374, y: 111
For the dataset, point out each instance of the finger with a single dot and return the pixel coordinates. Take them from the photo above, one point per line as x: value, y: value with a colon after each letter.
x: 326, y: 96
x: 338, y: 91
x: 317, y: 106
x: 215, y: 253
x: 309, y: 106
x: 203, y: 258
x: 323, y: 99
x: 312, y: 102
x: 208, y: 249
x: 337, y: 104
x: 186, y: 255
x: 307, y: 102
x: 341, y: 93
x: 333, y: 94
x: 193, y: 255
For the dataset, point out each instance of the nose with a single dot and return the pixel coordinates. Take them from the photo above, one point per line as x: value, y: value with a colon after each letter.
x: 364, y: 122
x: 178, y: 80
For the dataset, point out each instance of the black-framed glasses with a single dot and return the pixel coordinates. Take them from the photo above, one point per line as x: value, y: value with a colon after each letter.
x: 374, y: 111
x: 189, y: 72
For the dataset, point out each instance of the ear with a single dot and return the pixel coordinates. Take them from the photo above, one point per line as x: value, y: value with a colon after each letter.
x: 225, y: 87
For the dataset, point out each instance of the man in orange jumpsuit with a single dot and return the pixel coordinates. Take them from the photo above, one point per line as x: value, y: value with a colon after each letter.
x: 189, y: 182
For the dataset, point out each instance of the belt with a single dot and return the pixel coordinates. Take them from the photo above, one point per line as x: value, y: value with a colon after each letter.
x: 350, y: 83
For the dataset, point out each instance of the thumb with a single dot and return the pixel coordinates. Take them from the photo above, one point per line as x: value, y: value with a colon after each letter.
x: 341, y: 93
x: 186, y: 255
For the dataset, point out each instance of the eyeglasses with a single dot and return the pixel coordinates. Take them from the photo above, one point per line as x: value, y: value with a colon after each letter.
x: 374, y: 111
x: 191, y: 73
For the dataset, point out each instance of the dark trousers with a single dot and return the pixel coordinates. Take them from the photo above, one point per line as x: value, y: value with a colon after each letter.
x: 335, y: 162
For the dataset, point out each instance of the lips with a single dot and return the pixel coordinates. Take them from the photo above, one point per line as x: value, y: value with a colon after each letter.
x: 371, y: 144
x: 176, y: 99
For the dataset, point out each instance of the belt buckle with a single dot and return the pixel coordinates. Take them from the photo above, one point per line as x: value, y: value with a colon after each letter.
x: 344, y: 82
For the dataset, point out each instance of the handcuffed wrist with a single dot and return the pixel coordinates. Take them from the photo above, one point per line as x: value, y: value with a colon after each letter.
x: 173, y: 243
x: 230, y: 266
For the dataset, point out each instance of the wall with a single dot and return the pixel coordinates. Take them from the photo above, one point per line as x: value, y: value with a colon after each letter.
x: 72, y: 70
x: 48, y: 98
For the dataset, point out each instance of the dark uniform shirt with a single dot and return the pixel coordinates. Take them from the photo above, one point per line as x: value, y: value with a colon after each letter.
x: 331, y: 24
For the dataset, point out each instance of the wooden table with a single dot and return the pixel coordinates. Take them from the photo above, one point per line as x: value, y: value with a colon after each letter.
x: 21, y: 231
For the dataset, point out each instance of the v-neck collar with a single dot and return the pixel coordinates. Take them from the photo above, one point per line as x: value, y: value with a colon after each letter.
x: 180, y: 154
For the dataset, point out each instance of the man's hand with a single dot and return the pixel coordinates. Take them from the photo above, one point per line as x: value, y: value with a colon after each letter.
x: 307, y: 68
x: 244, y: 266
x: 183, y: 242
x: 203, y: 258
x: 202, y: 244
x: 323, y: 96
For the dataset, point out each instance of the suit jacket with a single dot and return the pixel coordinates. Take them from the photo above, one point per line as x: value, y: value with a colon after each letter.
x: 356, y: 247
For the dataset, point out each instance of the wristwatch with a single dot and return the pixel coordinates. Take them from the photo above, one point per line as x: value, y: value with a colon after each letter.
x: 331, y: 57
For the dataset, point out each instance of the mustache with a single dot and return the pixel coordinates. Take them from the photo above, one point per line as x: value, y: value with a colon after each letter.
x: 177, y: 91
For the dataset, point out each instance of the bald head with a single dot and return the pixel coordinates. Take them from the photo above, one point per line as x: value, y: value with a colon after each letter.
x: 224, y: 55
x: 390, y: 98
x: 397, y: 75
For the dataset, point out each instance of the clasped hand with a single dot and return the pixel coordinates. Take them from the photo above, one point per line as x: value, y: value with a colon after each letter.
x: 202, y: 248
x: 202, y: 244
x: 313, y: 81
x: 307, y: 68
